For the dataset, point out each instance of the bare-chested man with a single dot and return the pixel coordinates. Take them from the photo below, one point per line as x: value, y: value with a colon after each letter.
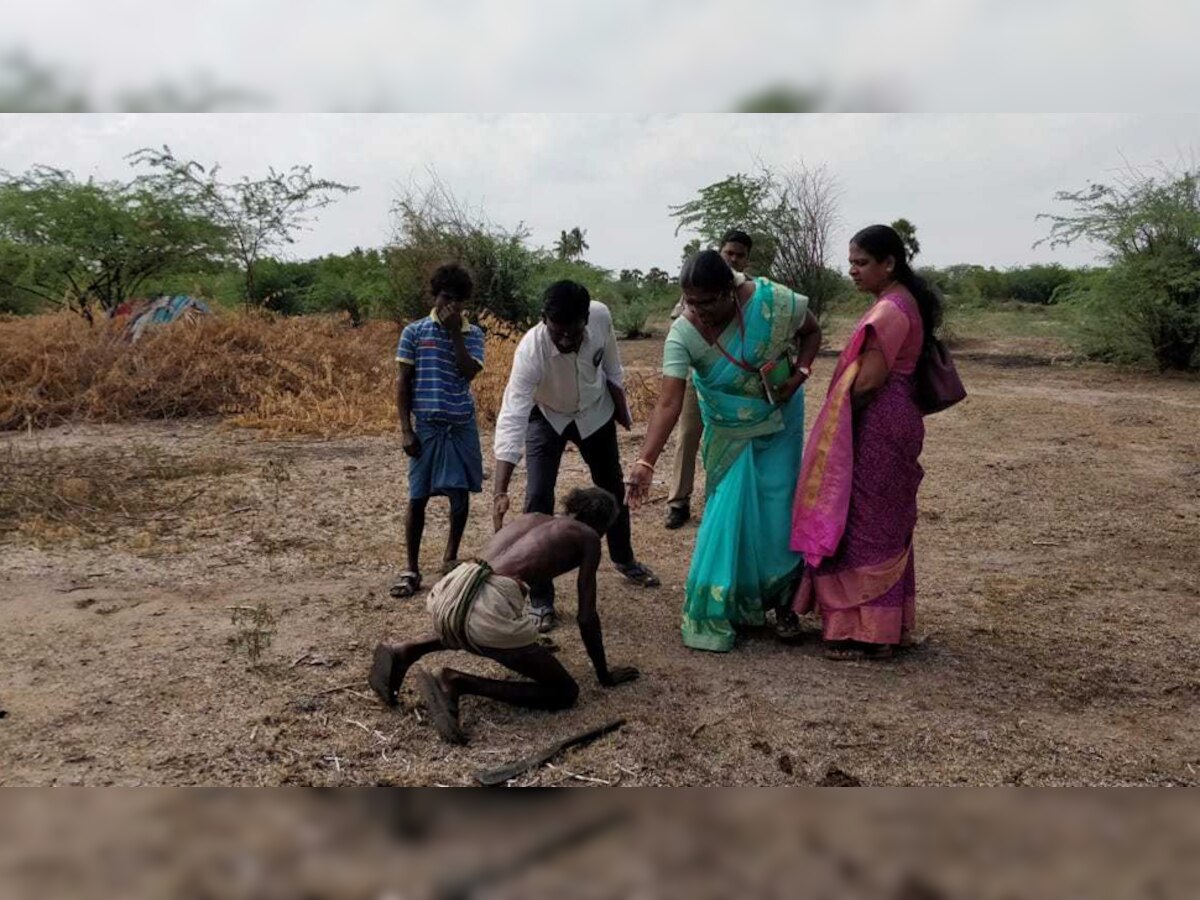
x: 483, y: 607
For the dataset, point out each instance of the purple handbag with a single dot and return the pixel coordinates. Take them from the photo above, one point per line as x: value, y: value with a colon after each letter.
x: 938, y: 384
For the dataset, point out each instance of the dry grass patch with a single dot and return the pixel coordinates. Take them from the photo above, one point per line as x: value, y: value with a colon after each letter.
x: 309, y: 375
x: 54, y: 494
x: 293, y: 375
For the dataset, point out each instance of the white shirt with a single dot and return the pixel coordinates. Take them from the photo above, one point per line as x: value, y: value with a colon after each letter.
x: 567, y: 387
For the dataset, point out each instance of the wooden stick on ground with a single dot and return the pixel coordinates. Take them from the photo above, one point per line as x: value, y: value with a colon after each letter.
x: 340, y: 687
x: 502, y: 774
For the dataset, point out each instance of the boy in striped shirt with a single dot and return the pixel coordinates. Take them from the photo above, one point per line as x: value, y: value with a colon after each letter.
x: 439, y: 356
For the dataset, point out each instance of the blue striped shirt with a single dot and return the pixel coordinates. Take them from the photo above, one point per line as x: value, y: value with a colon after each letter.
x: 439, y: 390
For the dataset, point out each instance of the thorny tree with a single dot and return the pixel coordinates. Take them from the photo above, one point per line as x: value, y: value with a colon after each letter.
x: 803, y: 214
x: 258, y: 215
x: 83, y: 243
x: 1149, y: 224
x: 789, y: 212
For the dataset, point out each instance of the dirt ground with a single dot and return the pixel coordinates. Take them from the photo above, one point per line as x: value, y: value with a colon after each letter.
x: 1058, y: 560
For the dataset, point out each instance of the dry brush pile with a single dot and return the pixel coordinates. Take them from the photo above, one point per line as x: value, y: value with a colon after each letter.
x: 313, y: 375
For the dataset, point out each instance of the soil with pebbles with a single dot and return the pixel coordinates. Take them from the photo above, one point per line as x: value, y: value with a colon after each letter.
x: 1058, y: 566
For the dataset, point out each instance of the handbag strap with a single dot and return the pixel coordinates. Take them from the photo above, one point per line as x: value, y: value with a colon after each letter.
x: 740, y: 363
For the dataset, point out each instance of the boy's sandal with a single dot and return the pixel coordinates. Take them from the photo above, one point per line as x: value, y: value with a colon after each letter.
x: 405, y: 585
x: 544, y: 619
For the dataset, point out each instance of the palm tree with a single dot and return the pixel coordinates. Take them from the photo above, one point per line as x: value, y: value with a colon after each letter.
x: 908, y: 234
x: 571, y: 244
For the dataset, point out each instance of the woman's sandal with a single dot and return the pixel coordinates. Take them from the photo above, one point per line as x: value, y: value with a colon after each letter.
x: 639, y: 574
x: 787, y: 625
x: 405, y: 585
x: 842, y: 651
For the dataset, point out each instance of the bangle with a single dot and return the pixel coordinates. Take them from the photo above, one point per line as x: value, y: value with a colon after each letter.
x: 642, y: 462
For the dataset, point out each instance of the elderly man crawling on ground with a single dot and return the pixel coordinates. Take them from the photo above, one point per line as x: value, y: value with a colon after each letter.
x: 482, y: 607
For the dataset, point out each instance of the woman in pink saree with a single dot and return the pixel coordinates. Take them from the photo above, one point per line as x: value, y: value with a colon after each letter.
x: 855, y: 506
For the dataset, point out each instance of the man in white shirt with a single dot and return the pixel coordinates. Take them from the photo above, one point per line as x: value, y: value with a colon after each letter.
x: 566, y: 384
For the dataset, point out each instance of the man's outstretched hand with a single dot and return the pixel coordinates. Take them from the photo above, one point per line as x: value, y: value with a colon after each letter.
x: 637, y: 486
x: 619, y: 675
x: 499, y: 511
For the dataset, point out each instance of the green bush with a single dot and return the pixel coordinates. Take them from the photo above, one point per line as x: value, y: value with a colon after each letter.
x: 332, y: 293
x: 599, y: 282
x: 16, y: 301
x: 432, y: 228
x: 222, y: 287
x: 1042, y: 284
x: 500, y: 266
x: 1143, y: 310
x: 1039, y: 283
x: 355, y: 283
x: 629, y: 319
x: 282, y: 286
x: 825, y: 289
x: 660, y: 298
x: 1147, y: 304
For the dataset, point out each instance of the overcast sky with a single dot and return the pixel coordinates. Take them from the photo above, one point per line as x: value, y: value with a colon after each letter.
x: 972, y: 184
x: 628, y: 55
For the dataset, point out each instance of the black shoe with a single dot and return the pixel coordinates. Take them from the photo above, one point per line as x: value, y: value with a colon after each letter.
x: 677, y: 516
x: 639, y: 574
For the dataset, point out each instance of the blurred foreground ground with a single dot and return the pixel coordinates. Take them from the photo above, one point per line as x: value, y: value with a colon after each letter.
x: 425, y: 845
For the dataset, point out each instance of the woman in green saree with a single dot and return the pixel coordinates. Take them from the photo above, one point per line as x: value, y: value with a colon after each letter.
x: 753, y: 435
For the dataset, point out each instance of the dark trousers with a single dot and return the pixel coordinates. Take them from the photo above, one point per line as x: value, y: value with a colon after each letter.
x: 543, y: 453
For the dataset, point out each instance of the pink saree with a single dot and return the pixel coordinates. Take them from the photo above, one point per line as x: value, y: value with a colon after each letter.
x: 855, y: 505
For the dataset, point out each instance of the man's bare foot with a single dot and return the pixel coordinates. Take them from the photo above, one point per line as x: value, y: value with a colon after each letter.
x: 380, y: 678
x: 388, y: 670
x: 441, y: 706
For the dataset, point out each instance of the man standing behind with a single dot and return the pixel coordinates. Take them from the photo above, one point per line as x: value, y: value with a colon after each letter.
x: 735, y: 247
x: 439, y: 356
x: 566, y: 385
